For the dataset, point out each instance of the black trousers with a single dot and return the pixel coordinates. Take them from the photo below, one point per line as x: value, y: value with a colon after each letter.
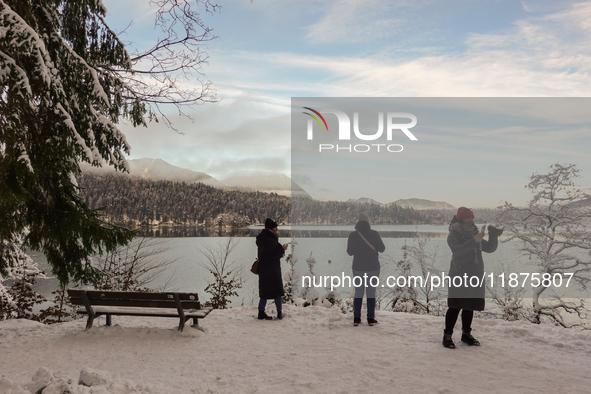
x: 452, y: 316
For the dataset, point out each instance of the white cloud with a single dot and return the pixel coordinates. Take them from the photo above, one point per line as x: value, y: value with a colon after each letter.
x: 540, y: 56
x: 363, y: 20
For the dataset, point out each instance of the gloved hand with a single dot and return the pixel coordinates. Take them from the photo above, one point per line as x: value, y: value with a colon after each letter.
x: 492, y: 230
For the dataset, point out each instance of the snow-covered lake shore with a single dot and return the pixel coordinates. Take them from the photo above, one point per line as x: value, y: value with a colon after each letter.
x: 312, y: 350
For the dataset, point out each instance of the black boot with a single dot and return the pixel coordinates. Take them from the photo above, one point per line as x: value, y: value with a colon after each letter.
x: 468, y: 338
x: 263, y: 316
x: 356, y: 321
x: 447, y: 341
x: 279, y: 315
x: 371, y: 321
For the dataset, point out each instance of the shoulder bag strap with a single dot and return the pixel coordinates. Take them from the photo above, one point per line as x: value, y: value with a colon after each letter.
x: 366, y: 241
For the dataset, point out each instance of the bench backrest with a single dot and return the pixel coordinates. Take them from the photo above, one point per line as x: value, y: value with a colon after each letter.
x: 137, y: 299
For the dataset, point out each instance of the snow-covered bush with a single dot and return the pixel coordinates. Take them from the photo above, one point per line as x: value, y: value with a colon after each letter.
x: 17, y: 297
x: 227, y: 277
x: 308, y: 293
x: 292, y: 276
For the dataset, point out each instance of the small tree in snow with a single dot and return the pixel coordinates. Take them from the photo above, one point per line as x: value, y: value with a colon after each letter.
x: 227, y: 277
x: 61, y: 310
x: 404, y: 298
x: 308, y: 293
x: 292, y: 276
x: 412, y: 297
x: 554, y: 233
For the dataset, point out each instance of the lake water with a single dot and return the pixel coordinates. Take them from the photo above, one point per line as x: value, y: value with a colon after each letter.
x: 326, y: 244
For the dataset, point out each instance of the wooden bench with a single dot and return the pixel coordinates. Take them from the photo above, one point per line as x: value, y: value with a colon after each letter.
x: 185, y: 306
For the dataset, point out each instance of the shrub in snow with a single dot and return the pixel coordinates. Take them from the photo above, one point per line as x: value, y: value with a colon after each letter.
x: 308, y: 293
x: 131, y: 267
x: 410, y: 298
x: 292, y: 276
x: 227, y: 276
x: 61, y: 310
x: 17, y: 297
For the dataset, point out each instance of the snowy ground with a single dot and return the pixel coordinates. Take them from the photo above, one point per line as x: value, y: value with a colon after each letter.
x: 312, y: 350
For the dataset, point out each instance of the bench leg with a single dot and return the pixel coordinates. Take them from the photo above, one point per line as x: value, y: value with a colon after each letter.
x: 108, y: 319
x: 89, y: 310
x: 196, y: 325
x: 179, y: 307
x: 89, y: 321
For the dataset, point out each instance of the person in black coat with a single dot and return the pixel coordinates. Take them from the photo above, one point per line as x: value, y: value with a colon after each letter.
x: 364, y: 245
x: 270, y: 281
x: 466, y: 244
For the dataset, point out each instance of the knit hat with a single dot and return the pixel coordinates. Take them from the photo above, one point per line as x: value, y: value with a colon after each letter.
x: 463, y: 213
x: 363, y: 217
x: 270, y: 223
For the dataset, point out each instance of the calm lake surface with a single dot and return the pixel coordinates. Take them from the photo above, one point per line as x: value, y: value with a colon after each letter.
x: 326, y: 244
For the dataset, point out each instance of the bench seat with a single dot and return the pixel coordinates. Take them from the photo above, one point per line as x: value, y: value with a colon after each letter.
x: 184, y: 306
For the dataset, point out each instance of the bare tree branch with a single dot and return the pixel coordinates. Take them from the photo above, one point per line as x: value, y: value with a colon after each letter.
x: 554, y: 232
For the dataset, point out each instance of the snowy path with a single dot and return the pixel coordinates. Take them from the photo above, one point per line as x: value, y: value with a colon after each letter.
x: 313, y: 350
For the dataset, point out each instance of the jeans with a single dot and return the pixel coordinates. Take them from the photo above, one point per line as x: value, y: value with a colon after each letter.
x: 369, y: 290
x: 263, y: 303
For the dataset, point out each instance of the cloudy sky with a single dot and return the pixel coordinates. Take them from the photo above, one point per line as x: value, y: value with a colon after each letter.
x: 269, y: 51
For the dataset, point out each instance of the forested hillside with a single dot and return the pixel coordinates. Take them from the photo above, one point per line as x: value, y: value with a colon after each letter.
x: 136, y: 201
x: 308, y: 211
x: 133, y: 201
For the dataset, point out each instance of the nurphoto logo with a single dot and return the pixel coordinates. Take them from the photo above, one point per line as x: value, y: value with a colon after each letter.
x: 344, y: 130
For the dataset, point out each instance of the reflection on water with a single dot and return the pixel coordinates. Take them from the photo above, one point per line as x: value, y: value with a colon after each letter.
x: 180, y: 232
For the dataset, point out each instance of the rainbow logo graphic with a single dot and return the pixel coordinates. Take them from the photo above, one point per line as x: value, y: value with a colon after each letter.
x: 315, y: 118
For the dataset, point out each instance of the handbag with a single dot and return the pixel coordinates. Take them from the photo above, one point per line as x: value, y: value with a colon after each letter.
x: 255, y: 267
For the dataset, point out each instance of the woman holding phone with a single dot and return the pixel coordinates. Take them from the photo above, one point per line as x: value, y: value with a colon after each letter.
x: 270, y: 281
x: 467, y: 244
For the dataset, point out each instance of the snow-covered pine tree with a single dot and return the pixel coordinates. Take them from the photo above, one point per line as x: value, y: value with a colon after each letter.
x: 59, y: 104
x: 66, y: 81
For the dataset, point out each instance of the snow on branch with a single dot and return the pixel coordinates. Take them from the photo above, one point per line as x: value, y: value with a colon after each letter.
x: 554, y: 231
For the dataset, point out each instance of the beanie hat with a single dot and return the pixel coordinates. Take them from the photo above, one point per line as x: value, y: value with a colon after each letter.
x: 463, y: 213
x: 270, y: 223
x: 363, y: 217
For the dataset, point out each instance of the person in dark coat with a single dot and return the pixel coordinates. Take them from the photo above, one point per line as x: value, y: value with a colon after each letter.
x: 270, y: 281
x: 467, y: 244
x: 364, y: 245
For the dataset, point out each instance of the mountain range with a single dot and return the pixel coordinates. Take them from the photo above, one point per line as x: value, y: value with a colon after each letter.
x: 160, y: 170
x: 415, y: 203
